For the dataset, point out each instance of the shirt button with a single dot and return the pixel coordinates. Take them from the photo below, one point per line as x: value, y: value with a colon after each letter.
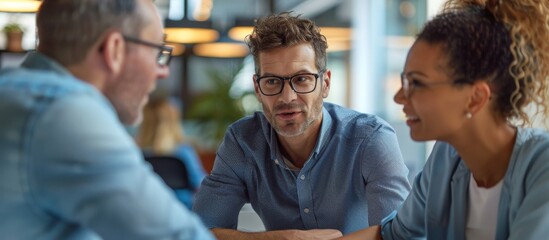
x: 276, y: 161
x: 302, y: 177
x: 306, y: 210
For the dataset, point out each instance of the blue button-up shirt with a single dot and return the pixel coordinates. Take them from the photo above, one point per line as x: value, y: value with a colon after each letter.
x: 68, y: 168
x: 354, y: 177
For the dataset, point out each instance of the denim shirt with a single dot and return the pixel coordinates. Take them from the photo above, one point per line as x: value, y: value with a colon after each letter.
x: 68, y: 168
x: 437, y: 205
x: 354, y: 177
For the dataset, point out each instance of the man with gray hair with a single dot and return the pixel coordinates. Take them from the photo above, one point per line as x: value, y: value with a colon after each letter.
x: 68, y: 168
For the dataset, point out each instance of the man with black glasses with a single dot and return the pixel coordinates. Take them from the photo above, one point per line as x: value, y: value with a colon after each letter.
x: 68, y: 168
x: 311, y: 170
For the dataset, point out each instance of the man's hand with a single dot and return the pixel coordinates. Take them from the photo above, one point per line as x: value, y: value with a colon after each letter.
x: 313, y: 234
x: 371, y: 233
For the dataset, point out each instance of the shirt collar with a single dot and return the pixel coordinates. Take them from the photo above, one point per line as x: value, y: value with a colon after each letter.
x: 39, y: 61
x: 324, y: 128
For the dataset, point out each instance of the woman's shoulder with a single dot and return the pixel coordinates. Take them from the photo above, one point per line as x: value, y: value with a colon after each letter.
x: 531, y: 153
x: 531, y: 141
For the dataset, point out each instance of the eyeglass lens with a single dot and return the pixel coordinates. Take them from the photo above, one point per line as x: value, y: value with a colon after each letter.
x: 164, y: 56
x: 405, y: 85
x: 301, y: 83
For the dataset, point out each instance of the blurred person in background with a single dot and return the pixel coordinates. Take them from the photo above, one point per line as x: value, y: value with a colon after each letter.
x: 68, y: 168
x: 467, y: 82
x: 161, y: 134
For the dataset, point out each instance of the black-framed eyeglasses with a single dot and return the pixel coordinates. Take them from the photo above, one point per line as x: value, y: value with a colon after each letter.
x: 408, y: 86
x: 164, y: 54
x: 301, y: 83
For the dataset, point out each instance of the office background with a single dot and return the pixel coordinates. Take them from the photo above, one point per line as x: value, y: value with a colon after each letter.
x: 365, y: 63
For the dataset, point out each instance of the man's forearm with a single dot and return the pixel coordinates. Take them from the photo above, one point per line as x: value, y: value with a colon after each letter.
x: 371, y: 233
x: 314, y: 234
x: 230, y: 234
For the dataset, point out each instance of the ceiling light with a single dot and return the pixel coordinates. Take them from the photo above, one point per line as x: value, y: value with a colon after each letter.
x: 338, y: 45
x: 244, y: 28
x: 224, y: 48
x: 178, y: 49
x: 187, y: 31
x: 221, y: 50
x: 19, y: 6
x: 239, y: 33
x: 241, y: 29
x: 336, y: 33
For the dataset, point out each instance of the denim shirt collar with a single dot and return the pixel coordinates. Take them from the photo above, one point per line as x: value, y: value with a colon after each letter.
x: 324, y: 128
x: 39, y: 61
x: 460, y: 182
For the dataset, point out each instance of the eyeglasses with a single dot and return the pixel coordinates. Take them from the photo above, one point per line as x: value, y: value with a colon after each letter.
x: 164, y: 54
x: 408, y: 86
x: 301, y: 83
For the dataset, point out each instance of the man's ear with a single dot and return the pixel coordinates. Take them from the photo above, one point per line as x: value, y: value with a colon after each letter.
x: 480, y: 96
x: 113, y: 51
x: 326, y: 86
x: 256, y: 88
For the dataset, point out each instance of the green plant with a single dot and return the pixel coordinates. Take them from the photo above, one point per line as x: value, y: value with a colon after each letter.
x: 12, y: 27
x: 214, y: 110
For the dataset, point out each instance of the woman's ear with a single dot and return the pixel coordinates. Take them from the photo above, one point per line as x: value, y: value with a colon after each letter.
x: 480, y: 97
x: 113, y: 51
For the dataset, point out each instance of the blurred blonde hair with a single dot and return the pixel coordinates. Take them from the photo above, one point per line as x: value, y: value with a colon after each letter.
x: 161, y: 130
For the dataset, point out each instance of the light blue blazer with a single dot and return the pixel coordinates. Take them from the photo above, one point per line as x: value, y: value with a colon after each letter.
x: 437, y: 205
x: 68, y: 168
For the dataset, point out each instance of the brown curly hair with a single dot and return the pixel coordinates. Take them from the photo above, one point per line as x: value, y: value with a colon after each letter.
x: 285, y: 30
x: 503, y: 41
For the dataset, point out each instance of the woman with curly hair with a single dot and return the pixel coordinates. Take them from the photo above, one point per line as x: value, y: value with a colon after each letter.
x: 469, y: 82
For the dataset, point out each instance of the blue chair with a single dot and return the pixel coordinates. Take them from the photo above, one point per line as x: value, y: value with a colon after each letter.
x: 171, y: 169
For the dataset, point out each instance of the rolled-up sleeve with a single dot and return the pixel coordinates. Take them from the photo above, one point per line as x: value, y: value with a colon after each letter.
x: 223, y: 193
x: 531, y: 218
x: 385, y: 174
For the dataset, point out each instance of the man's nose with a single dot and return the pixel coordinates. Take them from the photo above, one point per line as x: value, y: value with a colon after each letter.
x: 288, y: 94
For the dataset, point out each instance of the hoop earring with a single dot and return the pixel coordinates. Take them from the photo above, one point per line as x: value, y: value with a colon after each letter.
x: 468, y: 115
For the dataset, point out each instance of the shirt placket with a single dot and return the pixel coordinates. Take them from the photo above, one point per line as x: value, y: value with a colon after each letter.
x: 305, y: 198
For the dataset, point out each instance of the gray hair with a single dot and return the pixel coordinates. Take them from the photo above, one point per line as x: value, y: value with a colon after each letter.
x: 67, y: 29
